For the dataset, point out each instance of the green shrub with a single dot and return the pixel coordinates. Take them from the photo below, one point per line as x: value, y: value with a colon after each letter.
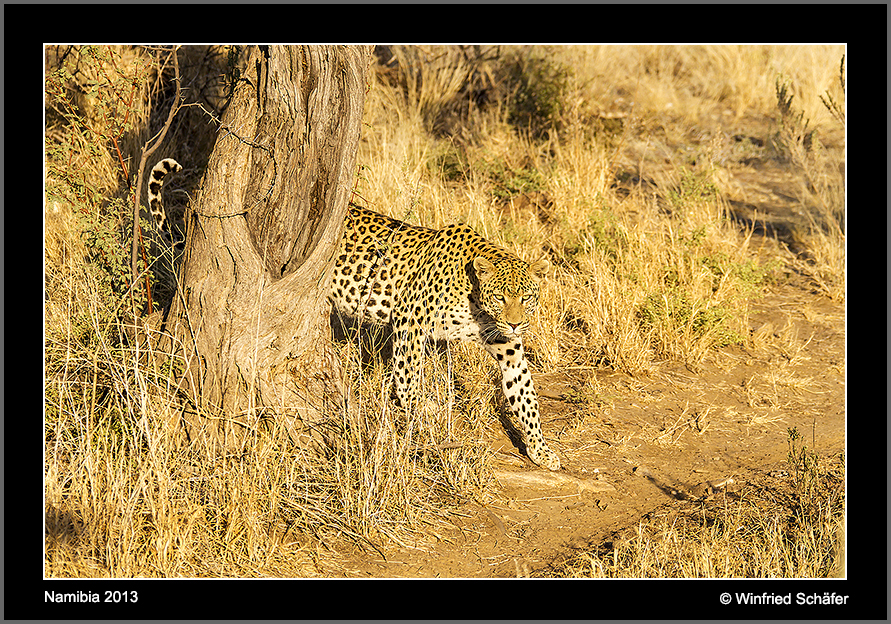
x: 539, y: 88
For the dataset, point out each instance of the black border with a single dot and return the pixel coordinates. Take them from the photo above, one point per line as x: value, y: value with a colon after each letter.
x: 864, y: 26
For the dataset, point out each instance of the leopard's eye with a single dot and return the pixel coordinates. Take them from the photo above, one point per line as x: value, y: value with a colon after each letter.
x: 498, y: 298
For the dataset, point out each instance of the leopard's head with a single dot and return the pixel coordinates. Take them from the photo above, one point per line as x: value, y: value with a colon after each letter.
x: 509, y: 290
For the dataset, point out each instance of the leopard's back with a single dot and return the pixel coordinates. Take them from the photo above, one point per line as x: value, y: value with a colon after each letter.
x: 378, y: 264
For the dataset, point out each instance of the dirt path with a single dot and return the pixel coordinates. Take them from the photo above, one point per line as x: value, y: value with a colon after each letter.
x: 655, y: 442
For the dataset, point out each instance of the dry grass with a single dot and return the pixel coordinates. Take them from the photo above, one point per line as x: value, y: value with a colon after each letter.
x: 541, y: 151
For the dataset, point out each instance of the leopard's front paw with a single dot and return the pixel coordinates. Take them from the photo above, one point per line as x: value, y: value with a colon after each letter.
x: 545, y: 457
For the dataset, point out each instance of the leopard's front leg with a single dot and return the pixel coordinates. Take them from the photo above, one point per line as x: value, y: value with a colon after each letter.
x: 516, y: 380
x: 408, y: 353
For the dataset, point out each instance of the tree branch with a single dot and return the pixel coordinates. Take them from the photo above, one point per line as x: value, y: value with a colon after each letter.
x: 146, y: 154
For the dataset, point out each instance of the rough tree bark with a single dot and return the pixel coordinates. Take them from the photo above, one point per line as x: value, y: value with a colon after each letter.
x: 252, y: 318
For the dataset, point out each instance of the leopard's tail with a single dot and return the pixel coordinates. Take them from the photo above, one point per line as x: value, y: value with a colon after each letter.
x: 156, y: 181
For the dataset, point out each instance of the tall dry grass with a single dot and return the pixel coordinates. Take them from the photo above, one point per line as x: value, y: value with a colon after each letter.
x: 607, y: 160
x: 670, y: 255
x: 127, y: 493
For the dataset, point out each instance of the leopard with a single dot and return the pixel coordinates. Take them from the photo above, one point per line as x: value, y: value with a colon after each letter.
x: 447, y: 284
x: 427, y: 285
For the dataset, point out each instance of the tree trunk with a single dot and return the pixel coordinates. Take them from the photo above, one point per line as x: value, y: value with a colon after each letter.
x: 253, y: 315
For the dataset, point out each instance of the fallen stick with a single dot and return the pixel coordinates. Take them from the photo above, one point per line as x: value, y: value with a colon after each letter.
x: 551, y: 479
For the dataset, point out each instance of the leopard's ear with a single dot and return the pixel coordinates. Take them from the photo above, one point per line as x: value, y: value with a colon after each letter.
x: 539, y: 269
x: 485, y: 270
